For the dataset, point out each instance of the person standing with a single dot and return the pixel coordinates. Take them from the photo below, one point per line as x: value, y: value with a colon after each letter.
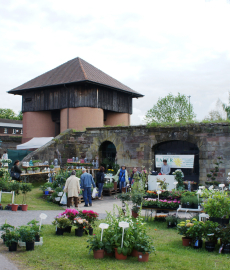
x: 72, y: 187
x: 122, y: 176
x: 134, y: 173
x: 15, y: 171
x: 165, y: 169
x: 86, y: 184
x: 100, y: 181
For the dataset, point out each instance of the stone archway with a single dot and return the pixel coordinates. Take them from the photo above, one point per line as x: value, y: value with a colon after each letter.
x: 179, y: 147
x: 107, y: 153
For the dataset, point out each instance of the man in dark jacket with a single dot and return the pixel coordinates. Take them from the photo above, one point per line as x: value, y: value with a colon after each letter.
x: 86, y: 184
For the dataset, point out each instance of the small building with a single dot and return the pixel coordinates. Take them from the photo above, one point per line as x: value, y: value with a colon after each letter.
x: 10, y: 127
x: 73, y: 95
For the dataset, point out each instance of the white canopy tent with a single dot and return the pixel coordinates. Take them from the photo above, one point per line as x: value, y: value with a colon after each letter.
x: 36, y: 142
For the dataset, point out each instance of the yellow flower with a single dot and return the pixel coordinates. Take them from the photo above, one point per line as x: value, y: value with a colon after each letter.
x: 194, y: 219
x: 187, y: 220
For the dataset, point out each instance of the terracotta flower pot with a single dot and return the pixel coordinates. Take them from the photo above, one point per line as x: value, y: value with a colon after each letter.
x: 134, y: 214
x: 134, y: 253
x: 186, y: 241
x: 143, y: 257
x: 14, y: 207
x: 119, y: 256
x: 24, y: 207
x: 98, y: 254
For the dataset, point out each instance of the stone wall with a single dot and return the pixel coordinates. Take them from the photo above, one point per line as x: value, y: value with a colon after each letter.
x: 134, y: 145
x: 10, y: 142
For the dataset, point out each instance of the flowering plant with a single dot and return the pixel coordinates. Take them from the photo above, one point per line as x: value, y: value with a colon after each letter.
x: 71, y: 214
x: 184, y: 226
x: 61, y: 221
x: 81, y: 223
x: 90, y: 216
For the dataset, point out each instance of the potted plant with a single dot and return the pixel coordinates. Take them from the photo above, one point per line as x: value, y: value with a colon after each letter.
x: 194, y: 202
x: 61, y: 222
x: 211, y: 234
x: 71, y: 214
x: 187, y: 201
x: 196, y: 232
x: 5, y: 227
x: 27, y: 235
x: 51, y: 167
x: 225, y: 239
x: 36, y: 162
x: 36, y: 169
x: 182, y: 229
x: 217, y: 206
x: 11, y: 239
x: 121, y: 252
x: 137, y: 199
x: 29, y: 170
x: 91, y: 217
x: 179, y: 178
x: 15, y: 186
x: 171, y: 221
x: 59, y: 191
x: 34, y: 225
x: 124, y: 197
x: 23, y: 170
x: 144, y: 246
x: 95, y: 244
x: 81, y: 225
x: 25, y: 188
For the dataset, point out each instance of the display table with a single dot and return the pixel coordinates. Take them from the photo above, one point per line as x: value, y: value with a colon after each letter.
x: 152, y: 181
x: 25, y: 176
x: 188, y: 210
x: 150, y: 210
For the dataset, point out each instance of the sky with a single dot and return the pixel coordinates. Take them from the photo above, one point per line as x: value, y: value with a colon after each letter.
x: 154, y: 47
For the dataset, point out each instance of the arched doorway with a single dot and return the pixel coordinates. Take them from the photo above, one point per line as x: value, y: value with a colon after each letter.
x: 107, y: 154
x: 180, y: 148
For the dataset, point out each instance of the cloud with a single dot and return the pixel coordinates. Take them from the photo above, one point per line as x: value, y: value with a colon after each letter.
x: 155, y: 47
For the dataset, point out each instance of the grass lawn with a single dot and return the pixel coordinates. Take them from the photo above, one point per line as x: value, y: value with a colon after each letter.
x: 69, y: 252
x: 34, y: 200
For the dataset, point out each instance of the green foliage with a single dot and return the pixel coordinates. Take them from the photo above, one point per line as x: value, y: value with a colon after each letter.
x: 10, y: 114
x: 95, y: 243
x: 217, y: 205
x: 34, y: 225
x: 225, y: 235
x: 144, y: 244
x: 11, y: 236
x: 184, y: 226
x: 46, y: 185
x: 171, y: 219
x: 196, y: 231
x: 170, y: 109
x: 212, y: 231
x: 124, y: 197
x: 178, y: 177
x: 25, y: 188
x: 27, y: 233
x: 62, y: 222
x: 213, y: 173
x: 137, y: 199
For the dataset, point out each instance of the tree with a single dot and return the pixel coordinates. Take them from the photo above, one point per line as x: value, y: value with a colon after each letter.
x: 10, y: 114
x: 171, y: 109
x: 227, y: 107
x: 218, y: 114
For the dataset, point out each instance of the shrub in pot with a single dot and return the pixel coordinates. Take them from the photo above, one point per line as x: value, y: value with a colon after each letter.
x: 196, y: 232
x: 5, y: 228
x: 183, y: 228
x: 14, y: 186
x: 144, y: 246
x: 95, y: 244
x: 81, y: 224
x: 34, y: 225
x: 187, y: 201
x: 171, y: 221
x: 25, y: 188
x: 217, y: 207
x: 137, y: 199
x: 27, y: 235
x: 225, y: 239
x: 11, y: 239
x: 211, y: 234
x: 61, y: 222
x: 91, y: 217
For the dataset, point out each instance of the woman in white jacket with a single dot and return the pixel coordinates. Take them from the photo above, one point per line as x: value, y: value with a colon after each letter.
x: 72, y: 187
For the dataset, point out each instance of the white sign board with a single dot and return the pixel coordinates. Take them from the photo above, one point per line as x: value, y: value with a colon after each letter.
x: 175, y: 161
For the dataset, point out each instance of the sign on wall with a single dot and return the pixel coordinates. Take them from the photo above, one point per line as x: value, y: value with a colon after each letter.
x: 175, y: 161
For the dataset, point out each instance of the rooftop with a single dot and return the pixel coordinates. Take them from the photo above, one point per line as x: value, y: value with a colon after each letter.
x: 74, y: 71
